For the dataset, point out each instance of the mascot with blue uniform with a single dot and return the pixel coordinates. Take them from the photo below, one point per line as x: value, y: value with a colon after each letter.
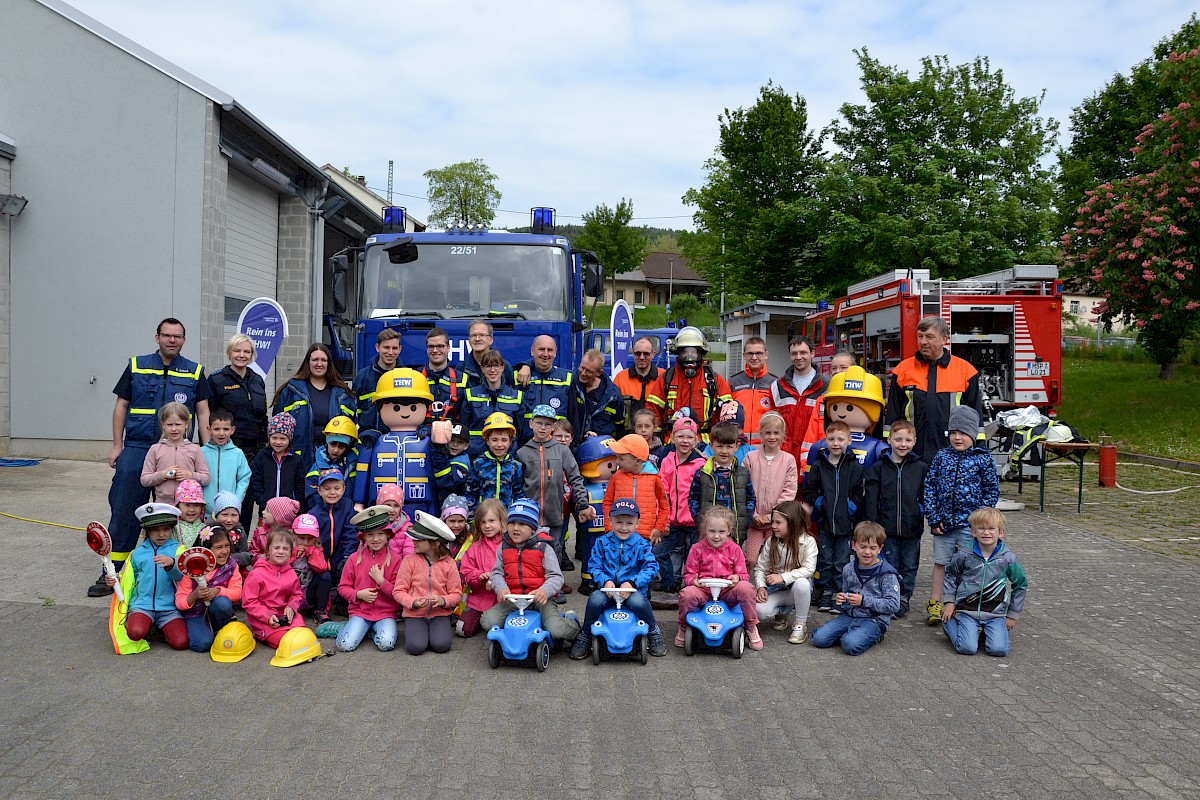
x: 401, y: 454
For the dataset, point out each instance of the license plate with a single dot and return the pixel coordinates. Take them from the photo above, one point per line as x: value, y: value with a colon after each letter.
x: 1038, y: 369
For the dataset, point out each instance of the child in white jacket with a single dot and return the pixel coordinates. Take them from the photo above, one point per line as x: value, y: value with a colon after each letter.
x: 785, y: 568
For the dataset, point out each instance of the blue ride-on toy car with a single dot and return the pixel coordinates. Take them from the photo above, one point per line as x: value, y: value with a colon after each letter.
x: 619, y: 632
x: 522, y: 636
x: 715, y: 625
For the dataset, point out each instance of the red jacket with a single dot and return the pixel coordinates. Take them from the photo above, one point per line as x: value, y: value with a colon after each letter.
x: 419, y: 578
x: 647, y: 490
x: 356, y: 575
x: 692, y: 394
x: 796, y: 409
x: 754, y: 394
x: 268, y: 590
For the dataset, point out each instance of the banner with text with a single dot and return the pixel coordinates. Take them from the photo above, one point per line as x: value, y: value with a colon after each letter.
x: 265, y: 323
x: 621, y: 335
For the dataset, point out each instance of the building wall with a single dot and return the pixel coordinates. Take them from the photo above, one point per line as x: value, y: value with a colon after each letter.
x: 295, y: 285
x: 212, y: 248
x: 113, y: 163
x: 5, y: 358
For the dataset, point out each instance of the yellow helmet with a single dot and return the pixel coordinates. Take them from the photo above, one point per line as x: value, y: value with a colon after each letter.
x: 342, y: 426
x: 233, y: 643
x: 296, y: 647
x: 855, y: 384
x: 402, y: 384
x: 498, y: 421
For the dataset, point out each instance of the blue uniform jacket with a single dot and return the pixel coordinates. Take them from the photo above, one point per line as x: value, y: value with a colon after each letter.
x: 364, y: 393
x: 398, y: 457
x: 619, y: 561
x: 551, y: 388
x: 447, y: 388
x: 149, y: 385
x: 294, y: 400
x: 339, y: 538
x: 449, y: 473
x: 502, y: 479
x: 154, y: 586
x: 601, y: 411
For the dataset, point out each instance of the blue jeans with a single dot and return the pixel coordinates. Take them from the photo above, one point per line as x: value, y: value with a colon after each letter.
x: 963, y: 630
x: 678, y: 539
x: 636, y: 603
x: 202, y: 630
x: 905, y: 555
x: 386, y: 634
x: 833, y: 554
x: 857, y: 634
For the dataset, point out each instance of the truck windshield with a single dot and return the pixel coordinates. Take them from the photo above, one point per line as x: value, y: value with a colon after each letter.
x: 467, y: 280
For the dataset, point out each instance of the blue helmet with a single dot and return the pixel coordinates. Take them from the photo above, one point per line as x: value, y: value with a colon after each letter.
x: 595, y: 448
x: 525, y: 510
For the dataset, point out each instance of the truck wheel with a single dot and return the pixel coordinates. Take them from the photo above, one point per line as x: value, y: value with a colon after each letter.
x: 493, y: 654
x: 737, y: 642
x: 689, y: 641
x: 541, y: 657
x: 643, y: 650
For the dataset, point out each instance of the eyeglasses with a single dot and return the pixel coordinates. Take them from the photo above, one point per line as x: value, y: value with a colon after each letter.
x: 435, y: 347
x: 480, y: 336
x: 170, y: 336
x: 753, y: 353
x: 642, y: 354
x: 494, y: 366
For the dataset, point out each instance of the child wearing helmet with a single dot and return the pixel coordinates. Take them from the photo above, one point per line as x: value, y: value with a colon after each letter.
x: 211, y: 608
x: 428, y: 587
x: 277, y: 470
x: 339, y: 452
x: 311, y: 567
x: 496, y: 473
x: 368, y: 583
x: 271, y: 595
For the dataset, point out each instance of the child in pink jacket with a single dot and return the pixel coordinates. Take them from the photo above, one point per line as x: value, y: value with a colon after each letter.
x: 368, y: 583
x: 428, y: 587
x: 773, y: 472
x: 271, y: 595
x: 476, y: 560
x: 718, y: 556
x: 173, y: 458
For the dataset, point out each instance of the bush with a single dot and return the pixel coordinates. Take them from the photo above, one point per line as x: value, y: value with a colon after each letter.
x: 685, y: 306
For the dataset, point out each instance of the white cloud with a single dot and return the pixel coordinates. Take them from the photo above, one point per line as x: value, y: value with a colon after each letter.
x: 574, y: 104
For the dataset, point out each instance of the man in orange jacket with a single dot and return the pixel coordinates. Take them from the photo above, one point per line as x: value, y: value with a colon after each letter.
x: 752, y: 386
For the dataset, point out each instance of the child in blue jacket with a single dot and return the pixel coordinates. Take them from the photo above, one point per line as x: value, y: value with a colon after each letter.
x: 496, y: 473
x: 869, y: 597
x: 154, y: 576
x: 621, y: 559
x: 333, y: 510
x: 961, y: 479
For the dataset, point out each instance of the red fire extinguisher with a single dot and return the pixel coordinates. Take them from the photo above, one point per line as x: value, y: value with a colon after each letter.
x: 1108, y: 465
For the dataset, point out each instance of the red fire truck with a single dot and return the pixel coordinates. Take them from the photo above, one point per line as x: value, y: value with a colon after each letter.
x: 1008, y: 324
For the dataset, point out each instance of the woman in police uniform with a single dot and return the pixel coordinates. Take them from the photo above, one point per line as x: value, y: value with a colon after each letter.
x: 242, y: 392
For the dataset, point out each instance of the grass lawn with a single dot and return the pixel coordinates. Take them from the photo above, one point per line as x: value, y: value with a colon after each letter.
x: 653, y: 317
x: 1125, y: 400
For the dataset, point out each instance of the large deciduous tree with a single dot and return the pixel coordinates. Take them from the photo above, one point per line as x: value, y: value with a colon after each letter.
x: 942, y: 171
x: 755, y: 218
x: 1138, y: 238
x: 462, y: 193
x: 606, y: 232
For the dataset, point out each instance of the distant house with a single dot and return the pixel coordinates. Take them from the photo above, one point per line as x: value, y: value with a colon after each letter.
x: 659, y: 276
x: 1083, y: 308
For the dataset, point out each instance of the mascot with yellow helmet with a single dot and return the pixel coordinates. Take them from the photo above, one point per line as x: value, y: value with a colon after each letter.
x: 855, y: 397
x: 400, y: 456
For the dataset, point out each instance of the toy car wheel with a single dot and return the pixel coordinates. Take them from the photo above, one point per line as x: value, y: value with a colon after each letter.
x: 643, y: 650
x: 689, y: 641
x: 541, y: 656
x: 596, y: 649
x: 737, y: 642
x: 493, y: 654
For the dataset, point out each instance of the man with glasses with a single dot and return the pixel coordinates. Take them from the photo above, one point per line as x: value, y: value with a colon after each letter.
x: 445, y: 382
x: 597, y: 408
x: 479, y: 340
x: 387, y: 349
x: 147, y: 384
x: 752, y: 386
x: 642, y: 382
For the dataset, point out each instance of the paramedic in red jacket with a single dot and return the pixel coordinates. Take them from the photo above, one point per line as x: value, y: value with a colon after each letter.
x: 797, y: 395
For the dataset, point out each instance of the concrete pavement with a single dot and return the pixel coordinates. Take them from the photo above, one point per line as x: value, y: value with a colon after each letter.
x: 1100, y: 697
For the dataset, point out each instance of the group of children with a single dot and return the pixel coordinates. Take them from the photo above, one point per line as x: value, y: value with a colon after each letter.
x: 673, y: 515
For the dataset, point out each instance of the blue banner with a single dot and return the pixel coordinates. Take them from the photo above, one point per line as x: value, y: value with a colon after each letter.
x: 265, y: 323
x: 621, y: 335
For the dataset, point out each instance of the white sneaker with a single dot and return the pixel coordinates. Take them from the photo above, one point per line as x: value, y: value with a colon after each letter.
x: 799, y: 634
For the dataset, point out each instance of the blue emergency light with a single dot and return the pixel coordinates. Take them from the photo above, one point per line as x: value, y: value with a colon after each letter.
x: 393, y: 219
x: 542, y: 220
x: 822, y: 305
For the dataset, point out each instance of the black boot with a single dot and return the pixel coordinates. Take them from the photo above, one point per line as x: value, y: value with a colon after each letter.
x: 587, y: 586
x: 99, y: 588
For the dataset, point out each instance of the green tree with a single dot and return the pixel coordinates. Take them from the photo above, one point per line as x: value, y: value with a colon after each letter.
x: 1104, y: 126
x: 606, y: 233
x: 942, y: 171
x: 663, y: 243
x: 462, y: 193
x: 1137, y: 239
x: 756, y: 216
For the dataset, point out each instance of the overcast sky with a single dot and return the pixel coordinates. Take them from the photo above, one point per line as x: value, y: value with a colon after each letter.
x: 575, y: 104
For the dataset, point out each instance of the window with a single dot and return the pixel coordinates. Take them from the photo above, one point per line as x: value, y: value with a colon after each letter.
x: 620, y: 294
x: 1075, y: 307
x: 233, y: 309
x: 658, y: 298
x: 639, y: 298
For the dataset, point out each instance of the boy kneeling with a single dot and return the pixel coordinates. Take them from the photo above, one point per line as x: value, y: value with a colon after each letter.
x: 869, y: 598
x: 984, y: 587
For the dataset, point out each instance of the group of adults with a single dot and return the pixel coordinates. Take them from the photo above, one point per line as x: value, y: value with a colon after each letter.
x: 922, y: 388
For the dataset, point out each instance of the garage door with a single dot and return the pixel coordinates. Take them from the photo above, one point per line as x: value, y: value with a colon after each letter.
x: 251, y: 247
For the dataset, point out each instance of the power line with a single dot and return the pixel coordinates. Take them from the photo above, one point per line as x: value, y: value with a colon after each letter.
x: 525, y: 213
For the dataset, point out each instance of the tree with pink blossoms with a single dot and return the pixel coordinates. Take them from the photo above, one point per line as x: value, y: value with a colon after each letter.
x: 1137, y: 240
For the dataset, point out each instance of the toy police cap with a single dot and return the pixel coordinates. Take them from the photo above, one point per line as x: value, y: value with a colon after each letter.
x: 544, y: 410
x: 154, y: 514
x: 429, y: 528
x: 371, y: 519
x: 624, y: 508
x: 331, y: 474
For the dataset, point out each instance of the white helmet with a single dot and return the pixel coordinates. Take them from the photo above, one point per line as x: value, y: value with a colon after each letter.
x: 689, y: 336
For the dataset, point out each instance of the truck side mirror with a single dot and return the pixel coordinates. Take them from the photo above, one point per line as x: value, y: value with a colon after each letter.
x: 593, y: 274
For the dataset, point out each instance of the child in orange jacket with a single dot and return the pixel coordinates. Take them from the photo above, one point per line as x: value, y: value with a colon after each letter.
x: 638, y: 480
x: 428, y: 587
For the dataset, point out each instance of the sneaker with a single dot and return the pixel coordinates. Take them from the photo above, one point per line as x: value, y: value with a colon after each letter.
x: 780, y: 622
x: 933, y: 612
x: 664, y: 600
x: 567, y: 565
x: 658, y: 644
x: 559, y: 599
x: 679, y: 637
x: 825, y: 604
x: 799, y: 634
x: 582, y: 647
x: 834, y: 610
x: 321, y: 617
x: 587, y: 586
x: 753, y: 640
x: 99, y: 588
x: 903, y: 608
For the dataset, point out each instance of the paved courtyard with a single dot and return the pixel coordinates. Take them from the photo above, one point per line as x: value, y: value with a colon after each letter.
x: 1100, y: 697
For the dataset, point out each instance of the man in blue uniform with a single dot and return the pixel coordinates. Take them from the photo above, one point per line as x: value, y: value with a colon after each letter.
x: 148, y: 383
x: 387, y: 346
x: 548, y: 385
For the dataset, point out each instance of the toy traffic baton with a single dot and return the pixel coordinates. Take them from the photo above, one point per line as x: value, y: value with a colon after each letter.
x: 101, y: 543
x: 196, y: 562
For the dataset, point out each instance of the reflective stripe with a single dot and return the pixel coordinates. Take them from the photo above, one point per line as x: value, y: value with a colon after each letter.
x: 296, y: 404
x: 143, y: 411
x: 115, y: 556
x: 367, y: 396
